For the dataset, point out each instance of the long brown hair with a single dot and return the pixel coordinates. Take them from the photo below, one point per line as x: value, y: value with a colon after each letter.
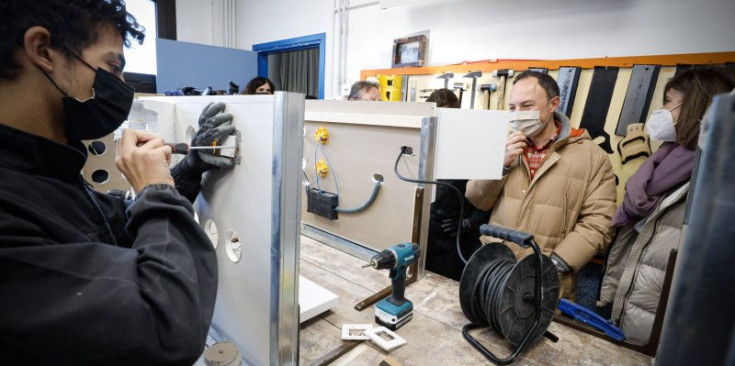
x: 698, y: 87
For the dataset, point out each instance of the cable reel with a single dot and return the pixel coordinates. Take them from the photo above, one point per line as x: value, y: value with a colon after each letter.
x: 517, y: 299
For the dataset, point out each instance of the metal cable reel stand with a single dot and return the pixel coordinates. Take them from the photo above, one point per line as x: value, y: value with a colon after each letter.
x: 517, y: 299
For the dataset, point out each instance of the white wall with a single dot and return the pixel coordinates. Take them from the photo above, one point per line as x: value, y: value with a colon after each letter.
x: 482, y: 29
x: 273, y: 20
x: 194, y: 21
x: 550, y: 29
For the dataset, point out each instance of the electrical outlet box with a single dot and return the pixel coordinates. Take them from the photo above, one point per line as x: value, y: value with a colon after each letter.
x: 322, y: 203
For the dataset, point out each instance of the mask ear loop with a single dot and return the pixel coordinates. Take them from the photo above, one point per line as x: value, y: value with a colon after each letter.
x: 94, y: 93
x: 672, y: 117
x: 84, y: 62
x: 52, y: 81
x: 674, y: 107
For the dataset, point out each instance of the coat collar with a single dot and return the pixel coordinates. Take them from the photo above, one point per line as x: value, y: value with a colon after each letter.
x: 36, y: 155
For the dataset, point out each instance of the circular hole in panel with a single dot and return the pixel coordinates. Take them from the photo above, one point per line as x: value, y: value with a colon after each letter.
x: 100, y: 176
x: 190, y: 132
x: 233, y: 247
x: 210, y: 228
x: 97, y: 148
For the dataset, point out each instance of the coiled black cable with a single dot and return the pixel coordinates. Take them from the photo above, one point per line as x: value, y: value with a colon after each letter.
x: 488, y: 293
x: 486, y: 298
x: 405, y: 151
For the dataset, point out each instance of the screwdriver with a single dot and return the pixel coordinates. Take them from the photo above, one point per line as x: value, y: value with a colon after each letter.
x: 183, y: 148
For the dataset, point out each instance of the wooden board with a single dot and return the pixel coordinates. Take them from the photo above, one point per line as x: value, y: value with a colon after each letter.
x: 434, y: 335
x: 710, y: 58
x: 364, y: 139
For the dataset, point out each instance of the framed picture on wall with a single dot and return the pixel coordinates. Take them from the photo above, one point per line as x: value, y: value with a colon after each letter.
x: 409, y: 51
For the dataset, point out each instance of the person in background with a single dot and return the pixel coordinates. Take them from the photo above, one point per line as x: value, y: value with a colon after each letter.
x: 444, y: 98
x: 87, y: 278
x: 442, y: 255
x: 259, y: 85
x: 649, y: 222
x: 365, y: 90
x: 557, y: 184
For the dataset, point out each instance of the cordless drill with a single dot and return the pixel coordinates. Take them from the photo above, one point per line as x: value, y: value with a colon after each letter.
x: 395, y: 310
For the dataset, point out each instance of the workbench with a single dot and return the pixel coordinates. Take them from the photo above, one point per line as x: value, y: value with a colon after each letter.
x: 434, y: 335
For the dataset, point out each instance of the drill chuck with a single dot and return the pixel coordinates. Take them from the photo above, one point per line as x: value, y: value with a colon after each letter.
x: 384, y: 260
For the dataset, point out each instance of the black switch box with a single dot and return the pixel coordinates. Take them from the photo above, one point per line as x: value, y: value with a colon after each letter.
x: 322, y: 203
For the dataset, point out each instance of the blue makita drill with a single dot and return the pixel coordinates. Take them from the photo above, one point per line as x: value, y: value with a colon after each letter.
x: 395, y: 310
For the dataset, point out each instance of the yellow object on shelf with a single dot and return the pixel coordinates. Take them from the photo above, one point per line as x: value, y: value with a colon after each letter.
x: 390, y: 87
x: 322, y: 168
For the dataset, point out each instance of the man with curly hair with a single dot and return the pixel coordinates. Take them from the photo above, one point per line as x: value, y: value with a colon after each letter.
x: 87, y: 278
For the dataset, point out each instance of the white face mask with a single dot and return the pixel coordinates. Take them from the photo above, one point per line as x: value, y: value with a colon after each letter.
x: 660, y: 125
x: 528, y: 122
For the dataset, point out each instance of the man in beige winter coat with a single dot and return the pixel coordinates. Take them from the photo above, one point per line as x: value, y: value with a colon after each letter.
x: 557, y: 184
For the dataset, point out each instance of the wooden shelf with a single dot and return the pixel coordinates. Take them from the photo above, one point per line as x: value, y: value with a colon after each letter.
x: 585, y: 63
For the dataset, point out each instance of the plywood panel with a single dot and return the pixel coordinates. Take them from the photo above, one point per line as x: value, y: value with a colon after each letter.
x: 355, y: 153
x: 364, y: 139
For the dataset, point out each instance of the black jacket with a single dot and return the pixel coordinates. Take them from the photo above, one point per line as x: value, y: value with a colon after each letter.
x: 441, y: 252
x: 86, y: 278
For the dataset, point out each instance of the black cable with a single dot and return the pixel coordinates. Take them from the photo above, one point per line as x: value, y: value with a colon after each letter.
x: 488, y: 292
x: 485, y: 305
x: 404, y: 150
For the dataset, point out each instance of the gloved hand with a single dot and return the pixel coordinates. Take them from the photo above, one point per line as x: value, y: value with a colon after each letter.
x: 213, y: 125
x: 449, y: 226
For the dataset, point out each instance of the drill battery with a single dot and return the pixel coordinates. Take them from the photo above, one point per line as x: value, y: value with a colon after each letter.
x: 391, y: 315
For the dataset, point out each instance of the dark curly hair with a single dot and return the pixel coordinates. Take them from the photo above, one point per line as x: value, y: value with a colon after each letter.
x: 73, y: 24
x: 256, y: 83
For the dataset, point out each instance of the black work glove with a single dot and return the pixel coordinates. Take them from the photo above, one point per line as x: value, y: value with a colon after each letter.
x: 449, y: 226
x: 213, y: 125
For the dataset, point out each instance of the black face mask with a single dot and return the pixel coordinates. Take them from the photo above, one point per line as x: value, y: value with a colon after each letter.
x: 101, y: 114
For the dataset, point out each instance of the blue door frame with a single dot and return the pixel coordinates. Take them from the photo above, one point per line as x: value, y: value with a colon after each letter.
x: 292, y: 44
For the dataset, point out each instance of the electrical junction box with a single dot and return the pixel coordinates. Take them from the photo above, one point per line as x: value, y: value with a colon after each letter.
x: 322, y: 203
